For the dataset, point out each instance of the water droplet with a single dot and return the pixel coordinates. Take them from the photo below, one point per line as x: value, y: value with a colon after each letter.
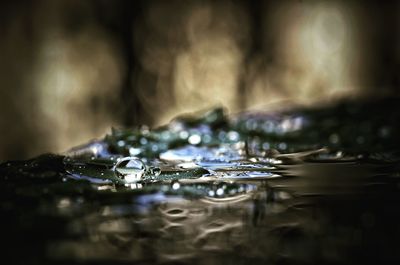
x: 187, y: 165
x: 339, y: 154
x: 232, y: 191
x: 176, y: 185
x: 384, y: 132
x: 156, y: 171
x: 154, y: 148
x: 134, y: 151
x: 165, y: 136
x: 360, y: 139
x: 251, y: 125
x: 233, y: 136
x: 194, y: 139
x: 130, y: 169
x: 64, y: 203
x: 207, y: 138
x: 268, y: 126
x: 175, y: 211
x: 334, y: 138
x: 266, y: 146
x: 183, y: 134
x: 135, y: 186
x: 282, y: 146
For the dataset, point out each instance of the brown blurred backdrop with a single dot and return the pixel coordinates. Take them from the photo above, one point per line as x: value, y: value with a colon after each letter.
x: 69, y: 69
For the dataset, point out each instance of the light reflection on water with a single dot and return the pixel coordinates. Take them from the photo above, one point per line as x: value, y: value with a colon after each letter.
x: 232, y: 200
x: 177, y: 228
x: 299, y: 216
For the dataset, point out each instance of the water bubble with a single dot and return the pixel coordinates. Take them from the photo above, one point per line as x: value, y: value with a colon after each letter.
x: 130, y: 169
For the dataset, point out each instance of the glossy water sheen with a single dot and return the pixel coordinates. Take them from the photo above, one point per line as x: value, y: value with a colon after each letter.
x: 285, y: 188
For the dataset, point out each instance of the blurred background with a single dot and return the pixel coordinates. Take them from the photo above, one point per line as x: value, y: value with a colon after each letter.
x: 70, y: 70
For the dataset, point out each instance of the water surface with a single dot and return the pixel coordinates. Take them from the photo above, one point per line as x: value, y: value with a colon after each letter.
x: 305, y: 186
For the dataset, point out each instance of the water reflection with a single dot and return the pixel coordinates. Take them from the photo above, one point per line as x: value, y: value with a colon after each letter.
x: 232, y: 199
x: 176, y: 227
